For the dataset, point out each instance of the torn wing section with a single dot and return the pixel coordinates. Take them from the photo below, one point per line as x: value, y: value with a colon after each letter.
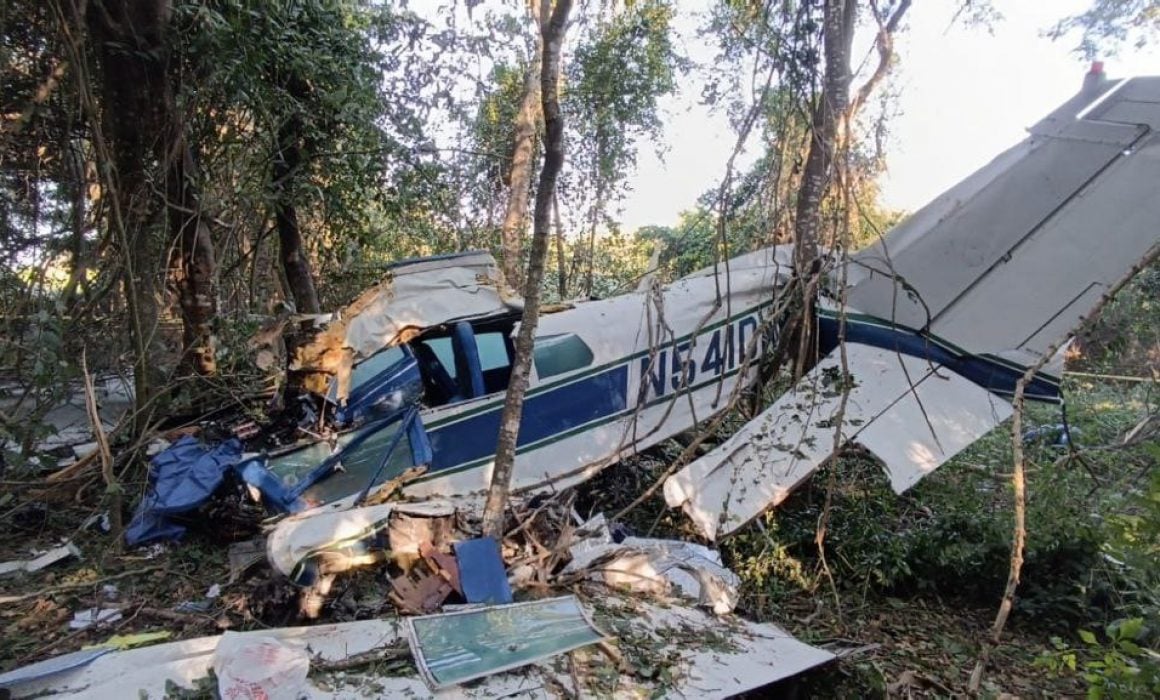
x: 912, y: 414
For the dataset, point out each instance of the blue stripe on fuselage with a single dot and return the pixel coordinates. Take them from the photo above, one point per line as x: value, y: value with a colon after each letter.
x: 545, y: 414
x: 987, y: 372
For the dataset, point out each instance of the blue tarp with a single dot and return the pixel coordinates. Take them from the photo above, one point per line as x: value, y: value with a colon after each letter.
x: 180, y: 479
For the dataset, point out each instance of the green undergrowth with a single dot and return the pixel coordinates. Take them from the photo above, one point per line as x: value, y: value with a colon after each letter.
x: 921, y: 574
x: 951, y: 534
x: 1093, y: 518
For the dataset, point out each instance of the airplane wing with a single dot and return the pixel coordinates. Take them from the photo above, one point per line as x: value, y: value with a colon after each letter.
x: 909, y: 412
x: 1008, y: 261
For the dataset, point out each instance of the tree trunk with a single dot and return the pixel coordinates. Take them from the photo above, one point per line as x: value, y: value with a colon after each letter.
x: 195, y: 270
x: 130, y: 45
x: 561, y: 268
x: 837, y: 34
x: 589, y: 281
x: 76, y: 190
x: 521, y: 177
x: 287, y: 164
x: 551, y: 36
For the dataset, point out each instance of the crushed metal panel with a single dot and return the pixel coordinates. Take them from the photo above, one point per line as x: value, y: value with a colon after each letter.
x: 145, y: 672
x: 659, y: 567
x: 756, y: 654
x: 297, y: 541
x: 51, y: 667
x: 415, y: 295
x: 761, y: 464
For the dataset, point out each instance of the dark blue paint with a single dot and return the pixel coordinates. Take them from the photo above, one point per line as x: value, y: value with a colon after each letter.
x: 985, y: 371
x: 481, y: 571
x: 545, y: 414
x: 384, y: 393
x: 468, y: 372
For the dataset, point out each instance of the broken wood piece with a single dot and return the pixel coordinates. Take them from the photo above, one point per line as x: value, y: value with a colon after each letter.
x: 420, y: 590
x: 443, y: 564
x: 387, y: 489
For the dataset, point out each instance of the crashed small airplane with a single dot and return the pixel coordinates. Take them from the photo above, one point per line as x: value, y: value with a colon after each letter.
x: 943, y: 316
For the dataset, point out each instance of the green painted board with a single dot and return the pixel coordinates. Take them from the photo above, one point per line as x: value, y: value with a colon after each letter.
x: 456, y: 647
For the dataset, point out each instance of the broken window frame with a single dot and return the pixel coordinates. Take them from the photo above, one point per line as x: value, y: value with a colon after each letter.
x: 257, y: 472
x: 385, y: 391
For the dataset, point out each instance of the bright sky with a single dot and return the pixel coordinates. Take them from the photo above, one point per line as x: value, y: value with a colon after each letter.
x: 966, y: 95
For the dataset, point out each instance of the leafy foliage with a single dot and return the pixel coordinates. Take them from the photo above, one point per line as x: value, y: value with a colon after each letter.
x: 1108, y: 24
x: 950, y: 535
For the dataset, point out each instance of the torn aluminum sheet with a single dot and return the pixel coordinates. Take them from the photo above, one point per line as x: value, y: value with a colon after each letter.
x: 457, y: 647
x: 51, y: 667
x: 417, y: 294
x: 658, y: 566
x: 375, y: 454
x: 911, y: 414
x: 717, y: 657
x: 46, y: 559
x: 329, y: 540
x: 145, y: 672
x: 730, y: 656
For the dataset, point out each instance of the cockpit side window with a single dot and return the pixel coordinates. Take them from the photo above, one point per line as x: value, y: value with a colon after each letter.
x: 495, y: 353
x: 558, y: 354
x: 463, y: 362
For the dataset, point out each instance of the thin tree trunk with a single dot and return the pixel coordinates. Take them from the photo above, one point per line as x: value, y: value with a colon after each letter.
x: 1019, y: 479
x: 521, y: 177
x: 76, y: 189
x: 287, y: 163
x: 552, y: 36
x: 837, y: 35
x: 589, y: 281
x: 195, y: 270
x: 561, y: 271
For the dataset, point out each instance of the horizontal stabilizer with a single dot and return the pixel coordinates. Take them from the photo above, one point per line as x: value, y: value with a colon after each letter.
x: 912, y: 414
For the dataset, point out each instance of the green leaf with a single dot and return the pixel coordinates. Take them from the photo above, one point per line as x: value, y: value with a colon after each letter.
x: 1129, y: 628
x: 1087, y: 637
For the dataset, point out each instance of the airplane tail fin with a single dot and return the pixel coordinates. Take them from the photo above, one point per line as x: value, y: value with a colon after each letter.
x: 1008, y: 261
